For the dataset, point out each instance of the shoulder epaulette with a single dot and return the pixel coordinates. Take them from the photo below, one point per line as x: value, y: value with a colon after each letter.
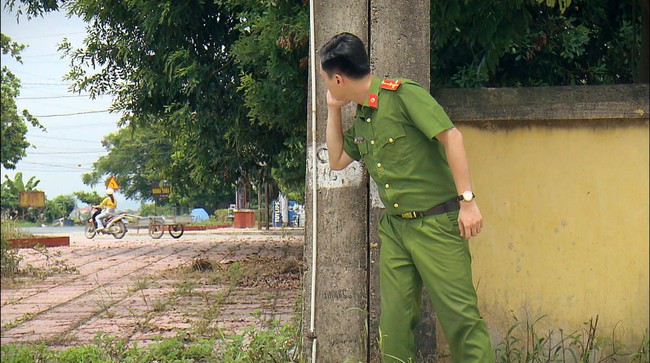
x: 390, y: 84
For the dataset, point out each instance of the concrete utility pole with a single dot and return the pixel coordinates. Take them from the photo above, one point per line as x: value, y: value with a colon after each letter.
x: 341, y: 301
x: 399, y: 47
x: 347, y: 297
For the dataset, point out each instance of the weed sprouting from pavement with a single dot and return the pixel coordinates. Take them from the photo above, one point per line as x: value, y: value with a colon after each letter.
x: 583, y: 345
x: 141, y: 284
x: 185, y: 287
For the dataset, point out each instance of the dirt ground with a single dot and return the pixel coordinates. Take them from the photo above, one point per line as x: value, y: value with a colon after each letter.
x: 140, y: 289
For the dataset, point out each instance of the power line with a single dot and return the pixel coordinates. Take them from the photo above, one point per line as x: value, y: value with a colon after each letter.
x: 49, y: 97
x: 76, y: 127
x: 59, y: 148
x: 21, y: 72
x: 39, y: 55
x: 48, y: 171
x: 68, y: 152
x: 58, y: 166
x: 44, y: 84
x: 72, y: 114
x: 61, y: 138
x: 20, y: 39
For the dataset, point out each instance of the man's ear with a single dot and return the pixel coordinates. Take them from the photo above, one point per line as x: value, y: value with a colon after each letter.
x: 339, y: 79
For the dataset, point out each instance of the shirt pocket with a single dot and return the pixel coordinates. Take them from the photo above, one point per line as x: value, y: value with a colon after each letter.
x: 391, y: 135
x: 392, y: 144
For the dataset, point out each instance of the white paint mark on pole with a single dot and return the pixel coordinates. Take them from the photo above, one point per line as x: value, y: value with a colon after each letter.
x: 375, y: 201
x: 351, y: 176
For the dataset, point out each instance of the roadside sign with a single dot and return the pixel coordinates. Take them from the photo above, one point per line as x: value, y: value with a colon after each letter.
x: 31, y: 199
x: 112, y: 183
x: 161, y: 190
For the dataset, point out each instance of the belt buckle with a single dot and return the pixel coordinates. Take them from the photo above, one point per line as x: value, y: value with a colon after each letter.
x: 410, y: 215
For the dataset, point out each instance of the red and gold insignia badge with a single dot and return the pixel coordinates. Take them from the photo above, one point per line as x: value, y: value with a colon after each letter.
x: 390, y: 84
x: 372, y: 100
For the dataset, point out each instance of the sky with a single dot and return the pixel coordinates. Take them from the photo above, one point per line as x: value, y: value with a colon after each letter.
x: 75, y: 124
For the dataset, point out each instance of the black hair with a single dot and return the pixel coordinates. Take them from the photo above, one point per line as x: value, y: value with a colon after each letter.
x: 112, y: 198
x: 345, y: 53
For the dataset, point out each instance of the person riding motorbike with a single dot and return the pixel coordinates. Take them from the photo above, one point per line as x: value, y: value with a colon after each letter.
x: 109, y: 204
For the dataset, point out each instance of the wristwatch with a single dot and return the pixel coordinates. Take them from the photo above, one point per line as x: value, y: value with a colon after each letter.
x: 467, y: 196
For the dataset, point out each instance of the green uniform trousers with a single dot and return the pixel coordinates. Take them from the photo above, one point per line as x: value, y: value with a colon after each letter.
x: 428, y: 250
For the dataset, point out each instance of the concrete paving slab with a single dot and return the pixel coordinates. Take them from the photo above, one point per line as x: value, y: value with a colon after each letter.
x: 140, y: 289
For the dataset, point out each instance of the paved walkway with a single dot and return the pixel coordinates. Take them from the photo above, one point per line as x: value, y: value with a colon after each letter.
x: 140, y: 289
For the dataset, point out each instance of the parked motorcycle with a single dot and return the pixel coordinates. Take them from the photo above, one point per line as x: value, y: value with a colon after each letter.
x: 113, y: 225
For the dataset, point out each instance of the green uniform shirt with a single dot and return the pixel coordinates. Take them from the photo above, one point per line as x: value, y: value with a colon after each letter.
x: 393, y: 133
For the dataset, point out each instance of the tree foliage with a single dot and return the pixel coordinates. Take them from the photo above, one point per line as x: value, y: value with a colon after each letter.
x: 59, y: 207
x: 272, y: 56
x: 14, y: 127
x: 224, y: 81
x: 89, y: 198
x: 17, y: 184
x: 140, y: 157
x: 214, y: 93
x: 534, y: 43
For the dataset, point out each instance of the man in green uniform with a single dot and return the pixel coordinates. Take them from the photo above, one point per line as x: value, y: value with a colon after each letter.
x: 417, y: 158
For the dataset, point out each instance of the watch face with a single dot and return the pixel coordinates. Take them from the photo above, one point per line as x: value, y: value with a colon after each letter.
x: 468, y: 196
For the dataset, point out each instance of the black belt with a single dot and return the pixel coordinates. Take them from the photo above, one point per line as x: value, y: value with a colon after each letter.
x: 448, y: 206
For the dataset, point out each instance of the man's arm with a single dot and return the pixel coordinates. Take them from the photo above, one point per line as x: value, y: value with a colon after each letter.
x: 470, y: 220
x: 338, y: 158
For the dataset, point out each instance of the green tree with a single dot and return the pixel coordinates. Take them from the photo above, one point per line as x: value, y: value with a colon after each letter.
x: 272, y: 56
x: 231, y: 119
x: 142, y: 157
x: 16, y: 185
x: 59, y: 207
x: 169, y: 67
x: 224, y: 81
x: 525, y: 43
x: 90, y: 198
x: 14, y: 127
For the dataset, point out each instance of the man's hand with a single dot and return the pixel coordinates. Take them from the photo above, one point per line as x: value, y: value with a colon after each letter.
x: 470, y: 220
x: 335, y: 102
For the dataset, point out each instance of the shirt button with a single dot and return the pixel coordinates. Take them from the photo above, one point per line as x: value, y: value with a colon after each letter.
x: 379, y: 165
x: 391, y: 140
x: 368, y: 119
x: 396, y: 205
x: 387, y: 186
x: 372, y: 142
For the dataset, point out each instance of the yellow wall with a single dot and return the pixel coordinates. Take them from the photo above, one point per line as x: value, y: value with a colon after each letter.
x: 566, y: 226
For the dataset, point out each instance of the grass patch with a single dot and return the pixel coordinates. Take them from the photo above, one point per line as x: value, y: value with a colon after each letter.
x: 9, y: 257
x: 525, y: 344
x: 273, y: 342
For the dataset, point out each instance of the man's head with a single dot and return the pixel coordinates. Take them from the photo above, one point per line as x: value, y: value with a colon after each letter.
x: 346, y: 55
x: 344, y: 63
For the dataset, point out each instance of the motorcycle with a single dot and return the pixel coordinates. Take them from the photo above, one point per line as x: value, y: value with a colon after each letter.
x: 113, y: 224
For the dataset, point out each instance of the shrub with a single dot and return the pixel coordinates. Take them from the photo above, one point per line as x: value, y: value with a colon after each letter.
x: 9, y: 258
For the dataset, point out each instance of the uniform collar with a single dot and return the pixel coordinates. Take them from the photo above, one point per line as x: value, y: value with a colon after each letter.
x: 372, y: 100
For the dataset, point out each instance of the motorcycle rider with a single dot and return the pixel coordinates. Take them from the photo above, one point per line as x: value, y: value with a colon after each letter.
x: 109, y: 204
